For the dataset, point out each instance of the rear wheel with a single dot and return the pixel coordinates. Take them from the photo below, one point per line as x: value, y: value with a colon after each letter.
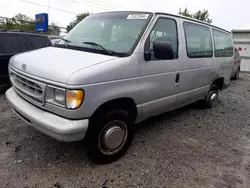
x: 109, y: 136
x: 212, y: 97
x: 237, y: 75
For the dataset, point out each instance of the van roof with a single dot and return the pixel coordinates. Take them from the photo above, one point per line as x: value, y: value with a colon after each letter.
x: 175, y: 15
x: 192, y: 19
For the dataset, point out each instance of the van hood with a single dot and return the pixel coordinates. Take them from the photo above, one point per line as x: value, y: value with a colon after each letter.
x: 56, y: 64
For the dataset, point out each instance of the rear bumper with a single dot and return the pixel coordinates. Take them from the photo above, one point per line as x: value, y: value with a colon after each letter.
x: 57, y: 127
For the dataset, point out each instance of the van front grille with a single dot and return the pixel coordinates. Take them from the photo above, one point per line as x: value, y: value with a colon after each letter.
x: 29, y: 86
x: 31, y: 90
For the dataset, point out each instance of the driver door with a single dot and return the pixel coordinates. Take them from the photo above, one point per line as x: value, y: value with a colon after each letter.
x: 160, y: 78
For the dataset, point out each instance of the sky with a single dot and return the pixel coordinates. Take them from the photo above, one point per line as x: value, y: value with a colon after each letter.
x: 227, y: 14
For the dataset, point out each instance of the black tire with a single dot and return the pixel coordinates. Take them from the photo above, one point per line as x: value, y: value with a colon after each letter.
x: 236, y: 76
x: 208, y: 103
x: 96, y: 129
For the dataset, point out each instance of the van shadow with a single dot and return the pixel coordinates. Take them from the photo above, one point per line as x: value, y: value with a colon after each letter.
x: 43, y: 150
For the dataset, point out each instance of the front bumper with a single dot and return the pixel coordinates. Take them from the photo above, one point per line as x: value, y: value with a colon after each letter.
x: 57, y: 127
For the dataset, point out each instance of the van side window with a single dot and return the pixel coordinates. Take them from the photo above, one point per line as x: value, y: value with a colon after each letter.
x: 223, y: 44
x: 38, y: 42
x: 9, y: 44
x: 24, y: 44
x: 198, y: 41
x: 164, y: 30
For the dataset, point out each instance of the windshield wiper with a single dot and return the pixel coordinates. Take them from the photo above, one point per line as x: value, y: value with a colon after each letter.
x: 100, y: 46
x: 67, y: 41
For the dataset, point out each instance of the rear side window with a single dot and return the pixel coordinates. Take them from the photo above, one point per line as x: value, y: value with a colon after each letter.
x: 198, y: 41
x: 38, y: 42
x: 223, y: 44
x: 9, y: 44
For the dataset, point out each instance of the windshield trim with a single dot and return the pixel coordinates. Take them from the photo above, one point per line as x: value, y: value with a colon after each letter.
x: 90, y: 50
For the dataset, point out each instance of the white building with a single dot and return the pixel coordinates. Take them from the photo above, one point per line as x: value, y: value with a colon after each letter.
x: 242, y: 43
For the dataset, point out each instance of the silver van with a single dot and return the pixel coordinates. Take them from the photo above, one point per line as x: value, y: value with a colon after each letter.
x: 115, y: 69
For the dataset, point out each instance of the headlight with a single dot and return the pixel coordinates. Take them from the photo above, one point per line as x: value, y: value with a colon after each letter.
x: 55, y: 96
x: 71, y: 99
x: 59, y: 96
x: 74, y: 98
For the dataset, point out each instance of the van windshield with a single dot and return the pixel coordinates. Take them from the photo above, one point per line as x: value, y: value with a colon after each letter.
x: 115, y: 32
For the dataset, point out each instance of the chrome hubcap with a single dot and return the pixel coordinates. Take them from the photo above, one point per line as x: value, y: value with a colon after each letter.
x: 113, y: 137
x: 213, y: 98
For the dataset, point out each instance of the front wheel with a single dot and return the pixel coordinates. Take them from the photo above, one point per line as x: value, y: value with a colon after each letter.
x: 109, y: 136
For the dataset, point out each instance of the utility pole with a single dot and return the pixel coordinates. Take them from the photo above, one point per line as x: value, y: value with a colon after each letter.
x: 48, y: 6
x: 48, y: 10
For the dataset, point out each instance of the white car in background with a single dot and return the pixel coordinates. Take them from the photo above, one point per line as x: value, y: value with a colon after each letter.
x: 54, y: 39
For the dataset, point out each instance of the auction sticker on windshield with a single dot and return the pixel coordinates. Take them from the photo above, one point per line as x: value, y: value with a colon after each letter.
x: 137, y: 17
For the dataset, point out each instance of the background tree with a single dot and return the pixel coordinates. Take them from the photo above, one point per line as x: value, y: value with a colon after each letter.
x: 78, y: 18
x: 54, y: 29
x: 21, y: 22
x: 199, y: 15
x: 185, y: 13
x: 4, y: 23
x: 203, y: 16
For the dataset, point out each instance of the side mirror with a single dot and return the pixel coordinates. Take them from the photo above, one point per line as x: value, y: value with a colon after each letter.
x: 163, y: 50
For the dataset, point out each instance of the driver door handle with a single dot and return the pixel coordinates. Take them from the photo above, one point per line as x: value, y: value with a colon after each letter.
x: 177, y: 79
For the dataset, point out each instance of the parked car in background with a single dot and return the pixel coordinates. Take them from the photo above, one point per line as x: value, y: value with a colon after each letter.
x: 54, y: 39
x: 236, y: 66
x: 115, y: 69
x: 12, y: 43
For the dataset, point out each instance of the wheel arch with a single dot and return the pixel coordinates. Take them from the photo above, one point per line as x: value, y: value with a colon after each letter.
x: 124, y: 103
x: 218, y: 82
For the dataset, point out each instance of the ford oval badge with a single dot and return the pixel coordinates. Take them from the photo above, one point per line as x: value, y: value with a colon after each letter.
x: 24, y: 66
